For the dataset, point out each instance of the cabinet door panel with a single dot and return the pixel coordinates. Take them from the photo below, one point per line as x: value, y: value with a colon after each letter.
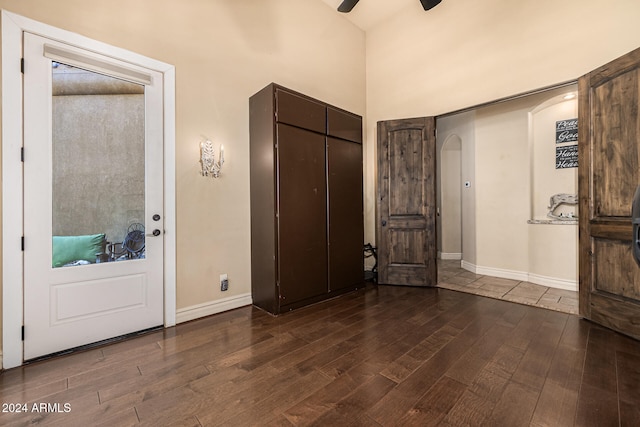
x: 300, y: 111
x: 346, y: 234
x: 344, y: 125
x: 302, y: 214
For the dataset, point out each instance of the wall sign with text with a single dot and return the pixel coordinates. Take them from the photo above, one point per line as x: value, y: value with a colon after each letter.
x: 566, y: 131
x: 567, y: 157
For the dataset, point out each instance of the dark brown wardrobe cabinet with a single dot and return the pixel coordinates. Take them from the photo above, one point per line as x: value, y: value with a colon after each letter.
x: 306, y: 200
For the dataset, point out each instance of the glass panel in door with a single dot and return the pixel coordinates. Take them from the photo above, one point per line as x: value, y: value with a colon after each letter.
x: 98, y: 168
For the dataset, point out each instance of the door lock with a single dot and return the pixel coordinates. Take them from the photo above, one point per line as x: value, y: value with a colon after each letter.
x: 155, y: 233
x: 156, y: 217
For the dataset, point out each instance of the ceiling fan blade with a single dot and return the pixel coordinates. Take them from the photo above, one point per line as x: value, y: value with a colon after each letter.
x: 429, y: 4
x: 347, y: 5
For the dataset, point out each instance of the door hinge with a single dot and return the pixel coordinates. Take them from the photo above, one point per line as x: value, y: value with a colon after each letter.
x: 22, y: 154
x: 22, y: 332
x: 22, y: 65
x: 22, y: 243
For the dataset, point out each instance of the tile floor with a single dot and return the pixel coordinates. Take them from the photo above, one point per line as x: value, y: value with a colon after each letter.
x: 452, y: 276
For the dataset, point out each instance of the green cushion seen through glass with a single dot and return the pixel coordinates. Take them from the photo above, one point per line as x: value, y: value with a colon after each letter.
x: 73, y: 248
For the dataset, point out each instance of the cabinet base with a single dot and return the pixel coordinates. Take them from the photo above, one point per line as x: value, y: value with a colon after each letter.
x: 309, y: 301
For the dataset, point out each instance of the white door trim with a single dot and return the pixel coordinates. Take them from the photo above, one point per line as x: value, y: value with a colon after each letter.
x: 12, y: 197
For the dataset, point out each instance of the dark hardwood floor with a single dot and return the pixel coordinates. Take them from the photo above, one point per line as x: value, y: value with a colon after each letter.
x: 381, y: 356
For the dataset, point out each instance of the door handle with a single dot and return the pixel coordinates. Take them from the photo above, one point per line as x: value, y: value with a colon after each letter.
x: 384, y: 222
x: 155, y: 233
x: 635, y: 221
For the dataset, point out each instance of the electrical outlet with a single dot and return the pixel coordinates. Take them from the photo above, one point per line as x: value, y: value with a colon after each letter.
x: 224, y: 282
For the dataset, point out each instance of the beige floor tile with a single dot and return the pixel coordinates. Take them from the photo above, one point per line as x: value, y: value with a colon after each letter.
x: 528, y: 290
x: 451, y: 286
x: 520, y: 299
x: 488, y: 293
x: 562, y: 292
x: 549, y: 299
x: 460, y: 280
x: 497, y: 287
x: 499, y: 281
x: 531, y: 286
x: 452, y: 276
x: 569, y: 301
x: 469, y: 275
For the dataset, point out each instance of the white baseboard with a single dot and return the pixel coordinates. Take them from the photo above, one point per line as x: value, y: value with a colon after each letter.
x: 502, y: 273
x: 467, y: 266
x: 445, y: 255
x: 551, y: 282
x: 214, y: 307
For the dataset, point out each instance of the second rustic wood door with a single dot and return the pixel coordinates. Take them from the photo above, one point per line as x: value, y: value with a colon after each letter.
x: 609, y: 156
x: 406, y: 228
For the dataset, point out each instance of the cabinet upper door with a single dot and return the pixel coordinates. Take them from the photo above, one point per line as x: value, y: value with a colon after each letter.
x: 300, y: 111
x: 344, y: 125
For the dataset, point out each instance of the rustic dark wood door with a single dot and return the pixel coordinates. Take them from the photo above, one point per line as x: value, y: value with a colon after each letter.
x: 406, y: 227
x: 609, y: 172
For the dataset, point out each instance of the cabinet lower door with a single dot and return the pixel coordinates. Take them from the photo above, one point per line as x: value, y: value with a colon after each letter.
x: 302, y: 214
x: 346, y: 234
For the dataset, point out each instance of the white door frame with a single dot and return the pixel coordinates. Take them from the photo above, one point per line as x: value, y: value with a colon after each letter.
x: 12, y: 188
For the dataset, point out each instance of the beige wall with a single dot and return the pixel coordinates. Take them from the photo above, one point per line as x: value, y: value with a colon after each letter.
x: 546, y: 180
x: 449, y: 191
x: 223, y: 51
x: 453, y: 128
x: 502, y: 186
x: 553, y: 247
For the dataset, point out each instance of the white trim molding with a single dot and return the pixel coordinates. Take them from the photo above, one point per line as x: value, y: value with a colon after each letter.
x: 523, y: 276
x: 466, y: 265
x: 12, y: 212
x: 502, y: 273
x: 554, y: 282
x: 213, y: 307
x: 13, y: 27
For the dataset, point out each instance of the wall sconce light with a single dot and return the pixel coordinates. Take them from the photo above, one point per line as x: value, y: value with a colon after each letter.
x: 209, y: 152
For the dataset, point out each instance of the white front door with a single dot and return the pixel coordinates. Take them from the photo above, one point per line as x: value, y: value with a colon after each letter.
x: 93, y: 166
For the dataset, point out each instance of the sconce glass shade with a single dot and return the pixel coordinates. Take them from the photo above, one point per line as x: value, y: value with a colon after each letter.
x: 211, y: 158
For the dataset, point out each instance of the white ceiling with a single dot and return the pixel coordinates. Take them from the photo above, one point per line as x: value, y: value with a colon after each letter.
x: 368, y: 13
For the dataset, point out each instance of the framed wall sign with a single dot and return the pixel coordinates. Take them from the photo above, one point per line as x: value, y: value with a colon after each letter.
x: 567, y: 157
x: 566, y: 131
